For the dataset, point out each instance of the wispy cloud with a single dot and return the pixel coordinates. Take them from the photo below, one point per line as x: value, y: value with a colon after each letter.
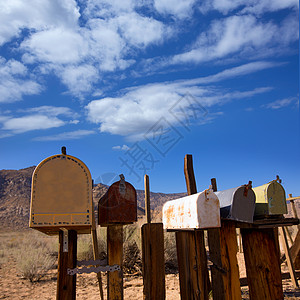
x: 139, y: 108
x: 36, y: 118
x: 241, y: 34
x: 278, y: 104
x: 123, y: 148
x: 64, y: 136
x: 15, y: 81
x: 32, y: 122
x: 247, y: 6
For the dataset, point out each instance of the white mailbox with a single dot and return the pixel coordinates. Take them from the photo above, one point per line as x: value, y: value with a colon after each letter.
x: 198, y: 211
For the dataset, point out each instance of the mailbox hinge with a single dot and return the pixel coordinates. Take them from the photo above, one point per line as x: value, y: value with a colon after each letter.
x: 93, y: 269
x: 65, y: 239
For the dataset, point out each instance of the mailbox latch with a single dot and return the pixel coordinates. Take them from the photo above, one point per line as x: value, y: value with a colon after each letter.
x: 122, y: 185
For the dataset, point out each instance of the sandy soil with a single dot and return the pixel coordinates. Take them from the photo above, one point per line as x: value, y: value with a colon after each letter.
x: 13, y: 286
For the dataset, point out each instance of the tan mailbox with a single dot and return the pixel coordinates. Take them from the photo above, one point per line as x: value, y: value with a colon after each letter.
x: 61, y: 195
x: 270, y: 199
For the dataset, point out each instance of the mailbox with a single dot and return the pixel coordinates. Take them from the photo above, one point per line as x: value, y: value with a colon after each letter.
x: 270, y: 199
x: 61, y: 195
x: 201, y: 210
x: 237, y: 203
x: 118, y: 205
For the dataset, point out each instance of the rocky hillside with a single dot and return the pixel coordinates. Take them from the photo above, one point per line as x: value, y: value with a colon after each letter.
x: 15, y: 186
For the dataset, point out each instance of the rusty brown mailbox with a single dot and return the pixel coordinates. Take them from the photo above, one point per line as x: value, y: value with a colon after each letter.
x: 61, y: 195
x: 118, y: 205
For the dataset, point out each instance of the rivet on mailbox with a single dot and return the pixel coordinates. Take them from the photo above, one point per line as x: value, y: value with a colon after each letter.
x: 118, y: 205
x: 237, y: 203
x: 270, y: 199
x: 201, y: 210
x: 61, y: 195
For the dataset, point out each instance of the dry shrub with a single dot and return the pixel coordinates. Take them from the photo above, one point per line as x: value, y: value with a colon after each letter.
x: 171, y: 265
x: 132, y: 259
x: 34, y: 259
x: 85, y: 245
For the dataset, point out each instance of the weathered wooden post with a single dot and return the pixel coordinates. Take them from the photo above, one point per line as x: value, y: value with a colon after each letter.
x: 117, y: 208
x: 153, y: 254
x: 61, y: 204
x: 260, y: 242
x: 236, y: 204
x: 188, y: 216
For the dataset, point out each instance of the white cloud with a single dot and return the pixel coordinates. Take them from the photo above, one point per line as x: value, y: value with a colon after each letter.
x: 236, y: 72
x: 36, y: 118
x: 246, y: 6
x: 51, y: 111
x: 123, y: 148
x: 15, y: 15
x: 57, y: 45
x: 72, y: 135
x: 14, y: 82
x: 243, y: 35
x: 139, y: 108
x: 178, y: 8
x: 278, y: 104
x: 141, y: 31
x: 32, y: 122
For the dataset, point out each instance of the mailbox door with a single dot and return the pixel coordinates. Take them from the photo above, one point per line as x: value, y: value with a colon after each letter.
x: 118, y: 205
x: 236, y: 205
x: 270, y: 199
x: 196, y: 211
x: 61, y: 195
x: 276, y: 199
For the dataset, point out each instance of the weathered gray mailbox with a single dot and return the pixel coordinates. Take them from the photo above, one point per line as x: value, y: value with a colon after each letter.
x: 197, y: 211
x: 61, y: 195
x: 237, y: 203
x: 270, y: 199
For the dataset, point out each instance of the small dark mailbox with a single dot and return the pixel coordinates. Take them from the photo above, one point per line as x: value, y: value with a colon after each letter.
x: 118, y: 205
x: 237, y: 203
x: 270, y: 199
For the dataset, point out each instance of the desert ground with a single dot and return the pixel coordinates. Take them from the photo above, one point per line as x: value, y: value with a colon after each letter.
x: 18, y: 249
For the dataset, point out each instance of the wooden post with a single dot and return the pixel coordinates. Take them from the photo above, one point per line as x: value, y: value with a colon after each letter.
x: 115, y: 257
x: 222, y: 251
x: 261, y: 252
x: 191, y: 252
x: 153, y: 254
x: 293, y: 208
x: 96, y: 249
x: 286, y: 249
x: 66, y: 284
x: 96, y: 257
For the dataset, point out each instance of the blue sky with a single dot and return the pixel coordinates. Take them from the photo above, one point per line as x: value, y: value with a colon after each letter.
x: 132, y: 86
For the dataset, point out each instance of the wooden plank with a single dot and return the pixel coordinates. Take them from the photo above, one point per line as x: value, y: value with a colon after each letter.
x: 191, y: 252
x: 222, y: 252
x: 286, y: 275
x: 262, y: 263
x: 152, y: 254
x: 193, y: 281
x: 269, y: 223
x: 115, y: 257
x: 96, y: 257
x: 147, y: 198
x: 153, y: 261
x: 286, y: 249
x: 66, y: 284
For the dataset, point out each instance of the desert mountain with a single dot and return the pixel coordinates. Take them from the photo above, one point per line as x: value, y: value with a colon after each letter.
x: 15, y: 188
